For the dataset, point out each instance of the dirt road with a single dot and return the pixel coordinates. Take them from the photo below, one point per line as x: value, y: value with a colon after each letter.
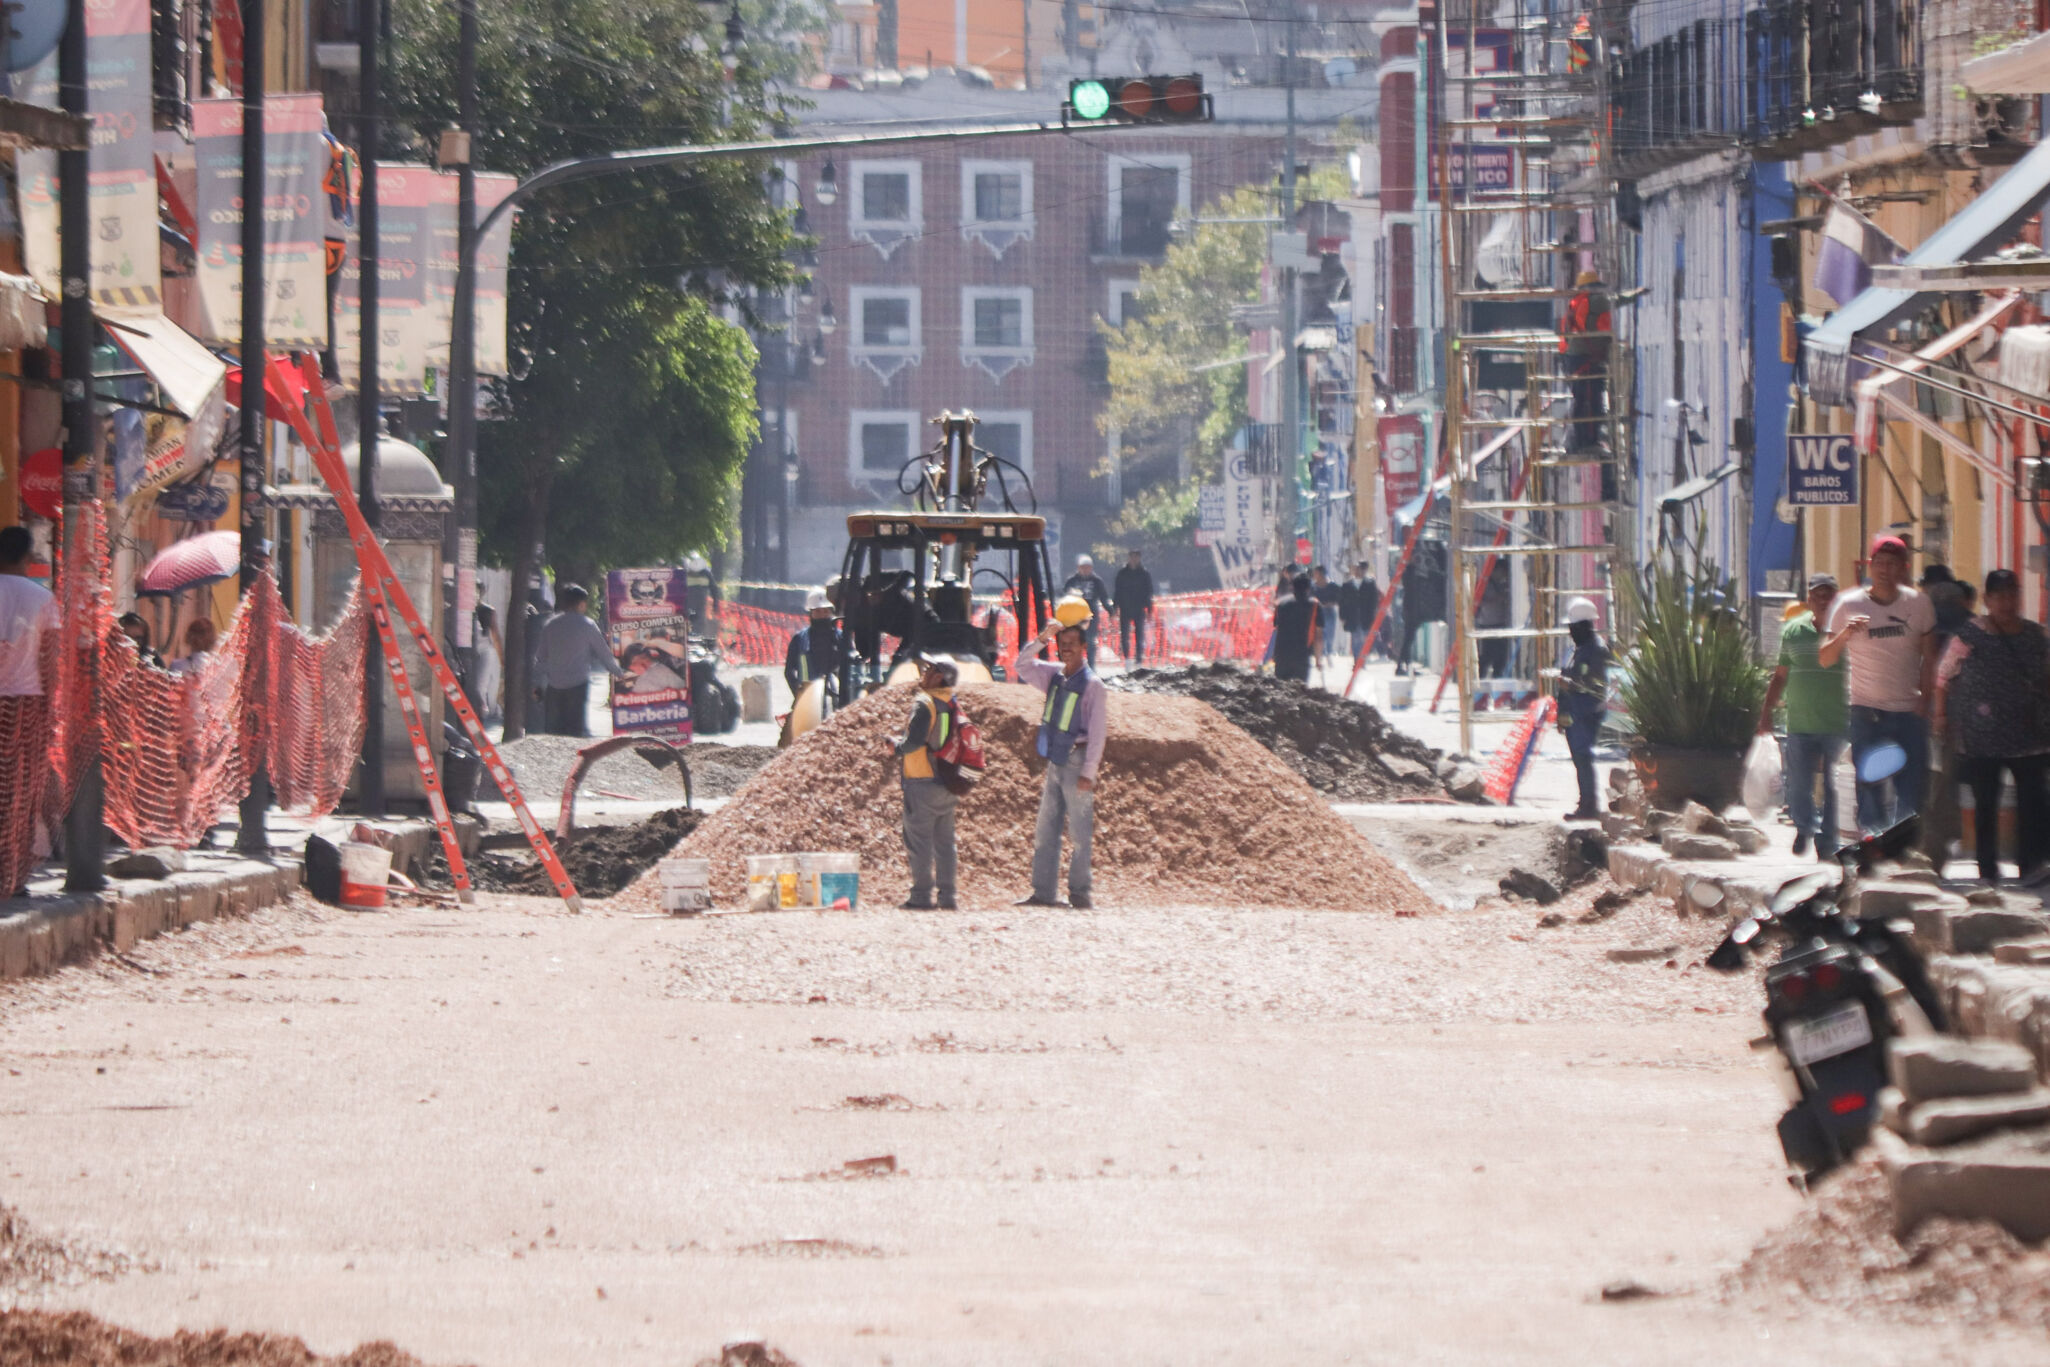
x: 509, y: 1136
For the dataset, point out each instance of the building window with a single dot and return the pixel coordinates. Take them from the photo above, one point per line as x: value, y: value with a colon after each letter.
x: 887, y: 208
x: 1007, y: 435
x: 1126, y: 304
x: 879, y: 442
x: 887, y: 331
x: 996, y: 329
x: 1147, y: 194
x: 996, y: 203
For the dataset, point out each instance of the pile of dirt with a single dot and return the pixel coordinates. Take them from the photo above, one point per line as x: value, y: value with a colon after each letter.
x: 1189, y: 809
x: 30, y: 1338
x: 1842, y: 1251
x: 31, y: 1262
x: 542, y: 765
x: 600, y: 860
x: 1340, y: 747
x: 718, y: 770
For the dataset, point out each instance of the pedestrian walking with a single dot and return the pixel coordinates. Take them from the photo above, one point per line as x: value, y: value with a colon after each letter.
x: 490, y: 667
x: 1370, y: 608
x: 1072, y: 727
x: 1090, y: 588
x: 1583, y: 701
x: 817, y: 651
x: 928, y: 803
x: 1887, y: 631
x: 1818, y: 714
x: 1325, y: 592
x: 1942, y: 817
x: 134, y: 627
x: 1295, y: 632
x: 200, y: 639
x: 27, y: 612
x: 1993, y: 701
x: 1349, y: 611
x: 568, y: 649
x: 1132, y: 594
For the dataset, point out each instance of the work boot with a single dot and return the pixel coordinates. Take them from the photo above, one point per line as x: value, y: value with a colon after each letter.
x: 1035, y: 900
x: 946, y: 902
x: 914, y: 904
x: 1800, y: 842
x: 1080, y: 901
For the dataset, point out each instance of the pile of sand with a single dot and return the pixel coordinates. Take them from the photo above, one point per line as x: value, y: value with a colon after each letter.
x: 1189, y: 810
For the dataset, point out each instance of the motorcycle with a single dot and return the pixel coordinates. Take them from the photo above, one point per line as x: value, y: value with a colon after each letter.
x: 1842, y: 987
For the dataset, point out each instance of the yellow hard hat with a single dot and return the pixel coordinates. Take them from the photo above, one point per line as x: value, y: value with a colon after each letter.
x: 1072, y: 611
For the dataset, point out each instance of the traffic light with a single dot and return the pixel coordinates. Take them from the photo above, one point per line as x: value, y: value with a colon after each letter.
x: 1136, y: 99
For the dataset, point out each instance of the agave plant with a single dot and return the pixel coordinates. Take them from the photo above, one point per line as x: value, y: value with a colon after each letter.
x: 1692, y: 680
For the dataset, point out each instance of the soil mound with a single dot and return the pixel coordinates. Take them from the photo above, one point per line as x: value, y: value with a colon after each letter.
x: 542, y: 764
x: 1842, y: 1251
x: 1190, y: 809
x: 600, y: 860
x: 33, y: 1337
x: 1340, y: 747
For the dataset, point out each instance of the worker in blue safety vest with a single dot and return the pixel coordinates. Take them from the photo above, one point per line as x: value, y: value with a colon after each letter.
x: 816, y: 651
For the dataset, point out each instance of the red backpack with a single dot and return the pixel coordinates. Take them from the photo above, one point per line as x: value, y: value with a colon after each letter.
x: 960, y: 761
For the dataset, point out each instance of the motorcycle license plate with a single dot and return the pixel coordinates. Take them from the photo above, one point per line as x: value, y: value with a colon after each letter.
x: 1839, y: 1032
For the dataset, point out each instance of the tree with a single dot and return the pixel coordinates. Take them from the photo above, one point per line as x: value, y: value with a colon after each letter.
x: 631, y: 411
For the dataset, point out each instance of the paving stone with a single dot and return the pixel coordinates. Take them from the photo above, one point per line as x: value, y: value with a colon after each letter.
x: 2034, y: 950
x: 1749, y: 839
x: 1936, y: 1067
x: 1936, y: 1123
x: 1893, y: 1109
x: 155, y: 861
x: 2004, y: 1178
x: 1975, y: 930
x: 1696, y: 819
x: 1681, y: 845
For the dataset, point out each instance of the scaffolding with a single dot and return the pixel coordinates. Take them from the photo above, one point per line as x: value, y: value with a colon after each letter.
x: 1537, y: 391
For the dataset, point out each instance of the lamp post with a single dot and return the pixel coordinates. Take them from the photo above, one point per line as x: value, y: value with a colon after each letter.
x: 85, y: 839
x: 252, y: 837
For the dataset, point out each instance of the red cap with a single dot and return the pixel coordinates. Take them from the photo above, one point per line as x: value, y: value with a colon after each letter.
x: 1882, y: 544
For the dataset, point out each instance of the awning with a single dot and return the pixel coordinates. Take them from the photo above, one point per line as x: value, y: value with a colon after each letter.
x: 1874, y: 389
x: 192, y: 381
x: 2019, y: 69
x: 1982, y: 227
x: 1680, y: 495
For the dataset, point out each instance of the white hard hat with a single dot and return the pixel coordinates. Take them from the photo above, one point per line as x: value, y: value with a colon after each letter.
x: 1580, y: 610
x: 1083, y: 559
x: 816, y: 599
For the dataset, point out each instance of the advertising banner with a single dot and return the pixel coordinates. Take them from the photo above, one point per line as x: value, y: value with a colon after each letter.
x: 648, y: 617
x: 494, y: 255
x: 1402, y: 459
x: 1243, y: 542
x: 404, y: 197
x: 1822, y: 471
x: 294, y: 219
x: 122, y: 162
x: 434, y: 324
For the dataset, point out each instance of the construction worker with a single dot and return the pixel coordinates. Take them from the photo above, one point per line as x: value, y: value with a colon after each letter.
x: 1584, y: 340
x: 1090, y: 587
x: 928, y: 805
x: 1583, y: 699
x: 817, y: 651
x: 1072, y: 726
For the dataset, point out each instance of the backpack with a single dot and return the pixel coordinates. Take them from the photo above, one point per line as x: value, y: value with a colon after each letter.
x: 959, y: 763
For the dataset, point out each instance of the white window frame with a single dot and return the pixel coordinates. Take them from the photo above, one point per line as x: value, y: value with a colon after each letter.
x: 884, y: 359
x: 885, y: 234
x: 997, y: 234
x: 1023, y: 418
x: 1115, y: 166
x: 998, y: 361
x: 862, y: 417
x: 1120, y: 290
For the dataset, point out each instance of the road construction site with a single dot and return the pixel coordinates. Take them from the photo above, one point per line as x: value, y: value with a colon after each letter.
x: 1352, y: 1081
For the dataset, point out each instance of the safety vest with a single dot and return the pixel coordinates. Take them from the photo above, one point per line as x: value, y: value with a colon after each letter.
x: 918, y: 762
x: 1057, y: 720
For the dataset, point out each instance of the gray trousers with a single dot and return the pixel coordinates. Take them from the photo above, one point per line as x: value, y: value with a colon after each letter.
x: 1061, y: 801
x: 929, y: 837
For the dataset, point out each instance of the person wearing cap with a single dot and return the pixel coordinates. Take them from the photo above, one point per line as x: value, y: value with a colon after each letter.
x: 1295, y: 632
x: 1072, y: 727
x: 1993, y: 701
x: 817, y: 650
x: 568, y: 649
x: 1086, y: 584
x: 1817, y: 715
x: 1133, y: 595
x: 928, y: 803
x: 1887, y: 632
x: 1583, y: 701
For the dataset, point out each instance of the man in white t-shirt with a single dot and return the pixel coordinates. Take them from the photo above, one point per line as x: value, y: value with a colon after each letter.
x: 1887, y: 631
x: 27, y: 610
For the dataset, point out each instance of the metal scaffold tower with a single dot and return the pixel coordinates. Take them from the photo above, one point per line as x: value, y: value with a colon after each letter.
x: 1537, y: 389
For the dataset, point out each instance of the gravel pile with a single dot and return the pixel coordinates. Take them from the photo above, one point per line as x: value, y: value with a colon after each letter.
x: 1340, y: 747
x: 80, y: 1340
x: 1189, y: 810
x: 1842, y: 1251
x: 542, y: 765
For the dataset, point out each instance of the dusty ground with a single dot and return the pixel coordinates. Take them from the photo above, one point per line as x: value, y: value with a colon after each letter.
x: 510, y: 1136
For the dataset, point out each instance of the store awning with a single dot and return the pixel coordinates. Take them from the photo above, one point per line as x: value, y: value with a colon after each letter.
x: 192, y: 381
x: 2019, y: 69
x: 1982, y: 227
x: 1680, y: 495
x: 1875, y: 389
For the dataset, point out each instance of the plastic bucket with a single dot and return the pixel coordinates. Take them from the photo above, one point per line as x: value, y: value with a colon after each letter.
x: 686, y: 884
x: 836, y: 881
x: 762, y: 891
x: 1399, y: 692
x: 789, y: 881
x: 366, y: 869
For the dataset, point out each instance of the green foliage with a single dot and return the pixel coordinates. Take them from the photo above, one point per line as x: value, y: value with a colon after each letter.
x: 1693, y: 680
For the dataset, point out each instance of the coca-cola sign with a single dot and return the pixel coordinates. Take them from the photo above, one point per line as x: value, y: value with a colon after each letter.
x: 42, y: 483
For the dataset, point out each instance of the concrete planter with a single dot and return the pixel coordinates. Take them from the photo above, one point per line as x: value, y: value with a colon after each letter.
x: 1673, y: 776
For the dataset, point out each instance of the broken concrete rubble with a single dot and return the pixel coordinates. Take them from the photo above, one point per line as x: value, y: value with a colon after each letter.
x: 1933, y: 1124
x: 1938, y: 1067
x: 1682, y: 845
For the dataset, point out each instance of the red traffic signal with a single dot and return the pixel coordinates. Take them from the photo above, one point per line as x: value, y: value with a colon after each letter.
x: 1136, y: 99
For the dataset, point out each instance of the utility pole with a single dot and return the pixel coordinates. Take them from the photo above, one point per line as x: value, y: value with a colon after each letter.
x: 85, y: 843
x: 1291, y: 380
x: 253, y: 839
x: 460, y: 547
x: 368, y: 252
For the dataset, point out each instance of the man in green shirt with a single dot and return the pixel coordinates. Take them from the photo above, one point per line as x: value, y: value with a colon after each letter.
x: 1818, y: 715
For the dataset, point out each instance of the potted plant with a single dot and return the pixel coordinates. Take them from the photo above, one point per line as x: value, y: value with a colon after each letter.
x: 1693, y: 686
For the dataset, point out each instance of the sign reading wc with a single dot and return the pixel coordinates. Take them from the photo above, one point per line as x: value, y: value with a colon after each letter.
x: 1822, y: 472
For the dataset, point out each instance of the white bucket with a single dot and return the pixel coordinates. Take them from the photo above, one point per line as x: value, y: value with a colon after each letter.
x: 835, y: 881
x: 762, y: 892
x: 686, y: 884
x: 1399, y: 692
x: 366, y: 869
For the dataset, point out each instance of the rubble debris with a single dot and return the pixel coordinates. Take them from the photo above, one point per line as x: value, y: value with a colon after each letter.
x: 1930, y: 1068
x: 30, y: 1261
x: 542, y: 764
x: 1190, y: 809
x: 1530, y: 886
x: 1343, y: 748
x: 78, y: 1339
x: 600, y: 860
x: 1643, y: 954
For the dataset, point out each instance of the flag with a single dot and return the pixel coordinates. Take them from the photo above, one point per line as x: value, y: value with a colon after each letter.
x: 1851, y: 246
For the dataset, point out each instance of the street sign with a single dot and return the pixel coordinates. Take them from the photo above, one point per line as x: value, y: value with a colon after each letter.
x: 1210, y: 508
x: 1822, y: 471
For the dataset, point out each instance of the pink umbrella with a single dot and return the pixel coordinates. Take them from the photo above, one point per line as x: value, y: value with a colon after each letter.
x: 205, y: 559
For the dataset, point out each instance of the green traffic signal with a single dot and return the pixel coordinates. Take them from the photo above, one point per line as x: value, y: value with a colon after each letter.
x: 1137, y: 99
x: 1089, y: 99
